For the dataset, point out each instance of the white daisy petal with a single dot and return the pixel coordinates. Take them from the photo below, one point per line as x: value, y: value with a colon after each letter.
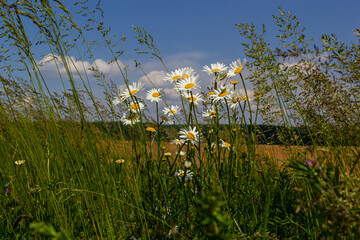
x: 154, y: 95
x: 215, y: 68
x: 236, y: 67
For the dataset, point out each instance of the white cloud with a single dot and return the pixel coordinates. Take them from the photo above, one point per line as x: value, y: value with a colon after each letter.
x: 154, y: 77
x: 172, y: 94
x: 52, y: 65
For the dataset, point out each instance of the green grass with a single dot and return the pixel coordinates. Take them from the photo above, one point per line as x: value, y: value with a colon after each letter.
x: 71, y: 187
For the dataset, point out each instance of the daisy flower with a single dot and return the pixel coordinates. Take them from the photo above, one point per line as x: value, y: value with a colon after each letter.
x: 212, y: 146
x: 236, y: 98
x: 190, y: 83
x: 129, y: 118
x: 166, y: 120
x: 173, y: 231
x: 224, y: 92
x: 171, y: 110
x: 137, y: 107
x: 187, y: 72
x: 236, y: 67
x: 132, y: 90
x: 181, y: 153
x: 120, y: 161
x: 174, y: 76
x: 117, y: 100
x: 189, y: 134
x: 195, y: 98
x: 178, y: 141
x: 215, y: 68
x: 19, y: 162
x: 187, y: 164
x: 210, y: 113
x: 154, y: 95
x: 181, y: 175
x: 225, y: 144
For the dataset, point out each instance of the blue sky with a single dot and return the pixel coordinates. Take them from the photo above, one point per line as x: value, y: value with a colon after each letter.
x: 197, y: 33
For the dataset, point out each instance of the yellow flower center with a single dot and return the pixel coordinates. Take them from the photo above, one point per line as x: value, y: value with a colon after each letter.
x: 172, y: 112
x: 215, y: 70
x: 191, y: 136
x: 135, y: 106
x: 238, y: 70
x: 186, y: 76
x: 234, y: 82
x: 20, y: 162
x: 211, y: 93
x: 120, y: 161
x: 227, y: 144
x: 246, y: 98
x: 223, y: 93
x: 156, y: 94
x: 179, y: 141
x: 150, y: 129
x: 133, y: 92
x: 192, y: 99
x: 212, y: 113
x: 182, y: 174
x: 176, y: 77
x: 257, y: 96
x: 131, y: 117
x: 164, y: 118
x: 189, y: 85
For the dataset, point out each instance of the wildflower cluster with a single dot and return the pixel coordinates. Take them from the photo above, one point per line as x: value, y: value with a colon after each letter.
x: 222, y: 101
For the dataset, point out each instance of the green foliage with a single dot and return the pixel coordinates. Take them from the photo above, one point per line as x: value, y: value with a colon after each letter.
x: 89, y: 176
x: 48, y: 231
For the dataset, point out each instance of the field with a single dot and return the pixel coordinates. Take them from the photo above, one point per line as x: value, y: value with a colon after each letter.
x: 128, y: 165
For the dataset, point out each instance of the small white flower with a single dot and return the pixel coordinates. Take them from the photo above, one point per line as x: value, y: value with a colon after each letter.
x: 19, y: 162
x: 131, y: 91
x: 236, y: 98
x: 173, y: 231
x: 172, y: 110
x: 225, y: 144
x: 223, y: 92
x: 190, y: 83
x: 215, y: 68
x: 189, y: 134
x: 210, y: 113
x: 178, y: 141
x: 181, y: 153
x: 187, y: 72
x: 117, y: 100
x: 154, y: 95
x: 236, y: 67
x: 195, y: 98
x: 136, y: 106
x: 120, y: 161
x: 129, y: 118
x: 181, y: 175
x: 187, y: 164
x: 174, y: 76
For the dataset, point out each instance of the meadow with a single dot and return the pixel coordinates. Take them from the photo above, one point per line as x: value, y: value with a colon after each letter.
x: 74, y: 166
